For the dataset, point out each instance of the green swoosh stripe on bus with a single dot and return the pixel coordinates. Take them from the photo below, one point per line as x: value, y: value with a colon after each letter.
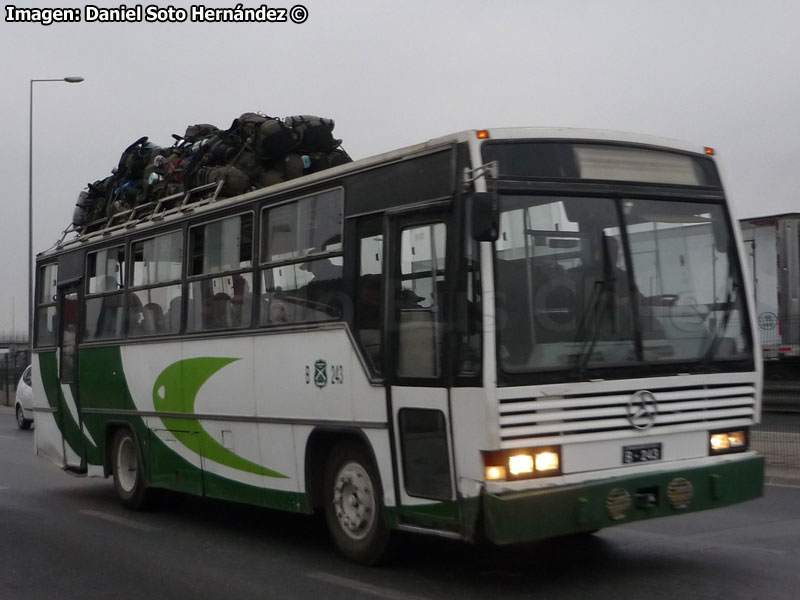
x: 175, y: 391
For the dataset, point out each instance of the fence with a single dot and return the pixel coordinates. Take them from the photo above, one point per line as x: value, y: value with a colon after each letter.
x: 777, y: 437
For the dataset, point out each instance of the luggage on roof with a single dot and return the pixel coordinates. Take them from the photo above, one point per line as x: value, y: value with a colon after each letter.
x: 255, y: 151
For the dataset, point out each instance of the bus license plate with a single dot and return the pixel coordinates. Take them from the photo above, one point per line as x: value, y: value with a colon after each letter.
x: 641, y: 453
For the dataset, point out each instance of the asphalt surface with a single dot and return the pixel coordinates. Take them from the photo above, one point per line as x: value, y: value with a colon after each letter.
x: 66, y: 537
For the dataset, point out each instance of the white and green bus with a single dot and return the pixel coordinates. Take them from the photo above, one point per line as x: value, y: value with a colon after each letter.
x: 500, y: 335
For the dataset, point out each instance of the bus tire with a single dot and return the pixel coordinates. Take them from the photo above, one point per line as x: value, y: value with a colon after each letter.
x: 353, y: 507
x: 128, y: 470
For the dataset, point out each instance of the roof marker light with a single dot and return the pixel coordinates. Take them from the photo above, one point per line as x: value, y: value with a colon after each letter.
x: 710, y: 151
x: 483, y: 134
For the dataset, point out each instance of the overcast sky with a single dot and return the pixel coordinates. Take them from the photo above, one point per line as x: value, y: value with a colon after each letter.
x: 720, y: 73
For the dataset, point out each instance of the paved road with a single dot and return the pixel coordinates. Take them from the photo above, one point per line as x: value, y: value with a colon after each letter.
x: 64, y: 537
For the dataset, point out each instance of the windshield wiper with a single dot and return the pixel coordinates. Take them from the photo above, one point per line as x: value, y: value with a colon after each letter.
x: 594, y: 313
x: 721, y: 326
x: 600, y: 302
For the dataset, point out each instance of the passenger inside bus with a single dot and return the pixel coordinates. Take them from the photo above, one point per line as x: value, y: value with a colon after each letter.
x: 216, y: 311
x: 241, y: 303
x: 109, y: 320
x: 323, y: 291
x: 152, y: 318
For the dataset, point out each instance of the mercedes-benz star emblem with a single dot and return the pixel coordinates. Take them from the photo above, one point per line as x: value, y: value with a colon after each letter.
x: 642, y: 409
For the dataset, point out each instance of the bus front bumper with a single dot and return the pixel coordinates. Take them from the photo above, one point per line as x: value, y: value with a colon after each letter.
x: 550, y: 512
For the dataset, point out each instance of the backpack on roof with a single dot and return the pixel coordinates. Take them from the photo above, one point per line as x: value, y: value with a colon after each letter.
x: 269, y: 138
x: 256, y: 150
x: 283, y: 169
x: 198, y: 132
x: 135, y: 158
x: 315, y: 134
x: 235, y: 180
x: 91, y: 203
x: 249, y: 163
x: 163, y: 177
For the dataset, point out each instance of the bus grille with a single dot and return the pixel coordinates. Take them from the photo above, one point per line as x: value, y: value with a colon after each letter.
x: 593, y: 417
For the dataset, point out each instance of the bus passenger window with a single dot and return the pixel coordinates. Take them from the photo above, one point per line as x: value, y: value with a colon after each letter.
x: 419, y: 301
x: 220, y: 302
x: 155, y: 311
x: 219, y: 293
x: 303, y: 292
x: 69, y: 335
x: 46, y: 306
x: 104, y: 317
x: 154, y: 305
x: 105, y: 274
x: 369, y: 298
x: 301, y: 254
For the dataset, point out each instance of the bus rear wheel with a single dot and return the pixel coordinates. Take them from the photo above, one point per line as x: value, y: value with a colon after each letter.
x: 128, y: 470
x: 353, y: 507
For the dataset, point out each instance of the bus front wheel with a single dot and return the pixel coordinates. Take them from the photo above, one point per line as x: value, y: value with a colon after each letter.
x: 353, y: 507
x: 128, y: 470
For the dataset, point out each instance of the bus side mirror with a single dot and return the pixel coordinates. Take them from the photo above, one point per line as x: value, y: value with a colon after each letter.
x: 485, y: 216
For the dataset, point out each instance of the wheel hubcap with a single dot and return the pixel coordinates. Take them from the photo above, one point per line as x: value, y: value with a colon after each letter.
x: 126, y: 465
x: 354, y: 500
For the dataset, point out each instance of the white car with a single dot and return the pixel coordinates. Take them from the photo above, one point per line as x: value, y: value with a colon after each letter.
x: 24, y: 402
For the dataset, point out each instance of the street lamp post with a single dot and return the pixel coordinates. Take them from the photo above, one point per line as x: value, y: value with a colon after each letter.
x: 30, y: 208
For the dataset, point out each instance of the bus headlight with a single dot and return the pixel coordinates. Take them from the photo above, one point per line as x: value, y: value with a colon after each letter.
x: 523, y: 463
x: 725, y: 442
x: 520, y: 464
x: 547, y: 461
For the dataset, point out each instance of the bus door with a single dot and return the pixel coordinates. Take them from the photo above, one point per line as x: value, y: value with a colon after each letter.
x: 419, y: 399
x: 69, y: 417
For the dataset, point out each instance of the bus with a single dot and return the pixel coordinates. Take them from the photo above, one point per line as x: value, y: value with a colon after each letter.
x: 496, y: 336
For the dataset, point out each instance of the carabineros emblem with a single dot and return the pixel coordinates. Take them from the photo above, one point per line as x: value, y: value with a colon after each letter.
x: 320, y: 373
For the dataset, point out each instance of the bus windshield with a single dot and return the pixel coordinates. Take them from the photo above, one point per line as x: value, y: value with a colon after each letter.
x: 585, y: 284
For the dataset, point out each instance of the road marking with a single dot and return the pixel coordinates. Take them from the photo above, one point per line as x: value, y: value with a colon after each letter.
x: 783, y: 485
x: 366, y: 588
x: 118, y: 520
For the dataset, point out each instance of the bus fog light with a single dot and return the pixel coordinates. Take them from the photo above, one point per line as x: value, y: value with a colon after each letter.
x: 618, y: 503
x: 520, y: 464
x: 680, y: 493
x: 547, y: 461
x: 495, y: 473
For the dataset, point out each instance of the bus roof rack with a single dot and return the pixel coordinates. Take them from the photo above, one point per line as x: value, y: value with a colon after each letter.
x: 149, y: 212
